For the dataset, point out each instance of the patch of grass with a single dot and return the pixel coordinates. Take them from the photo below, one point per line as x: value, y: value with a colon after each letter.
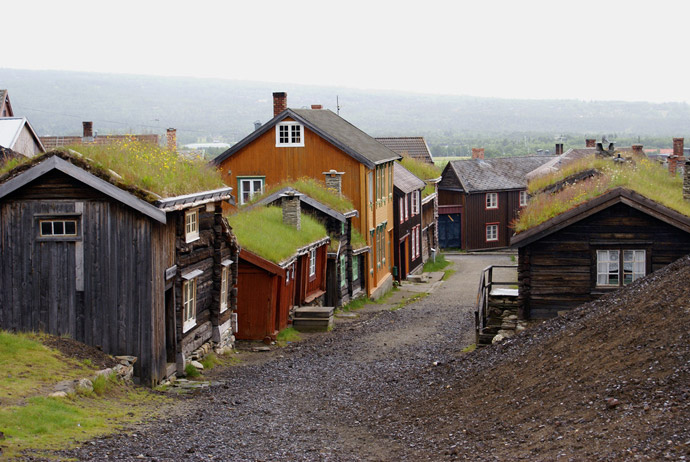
x: 423, y: 171
x: 407, y: 301
x: 431, y: 266
x: 469, y: 348
x: 644, y: 177
x: 447, y: 274
x: 356, y: 240
x: 441, y: 162
x: 104, y: 383
x: 384, y: 298
x: 355, y: 304
x: 513, y: 258
x: 87, y: 362
x: 314, y: 189
x: 289, y: 334
x: 210, y: 361
x: 191, y: 372
x: 262, y: 231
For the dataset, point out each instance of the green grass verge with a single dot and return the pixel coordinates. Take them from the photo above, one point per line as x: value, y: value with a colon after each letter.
x: 289, y: 334
x: 355, y: 304
x: 447, y: 274
x: 407, y: 301
x: 431, y: 266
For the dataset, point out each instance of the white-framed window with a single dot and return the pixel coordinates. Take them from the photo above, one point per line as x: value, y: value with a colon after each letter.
x: 224, y: 280
x: 58, y: 227
x: 312, y: 262
x: 402, y: 210
x: 491, y: 200
x: 343, y: 271
x: 491, y: 232
x: 406, y: 210
x: 355, y: 267
x: 415, y: 202
x: 524, y: 198
x: 188, y: 304
x: 191, y: 225
x: 249, y: 186
x: 610, y: 262
x: 370, y: 176
x: 289, y: 134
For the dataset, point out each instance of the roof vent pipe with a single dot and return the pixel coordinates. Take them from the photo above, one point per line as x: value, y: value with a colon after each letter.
x: 257, y: 125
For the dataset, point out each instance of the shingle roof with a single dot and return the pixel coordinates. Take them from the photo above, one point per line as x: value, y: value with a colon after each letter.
x: 405, y: 181
x: 332, y: 128
x: 496, y: 174
x: 558, y: 162
x: 413, y: 146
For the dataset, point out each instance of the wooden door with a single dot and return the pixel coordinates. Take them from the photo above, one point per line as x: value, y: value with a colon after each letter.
x: 54, y: 273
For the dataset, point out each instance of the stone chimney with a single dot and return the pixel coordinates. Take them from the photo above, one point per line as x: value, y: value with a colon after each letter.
x: 686, y: 181
x: 334, y: 180
x: 171, y: 138
x: 559, y: 149
x: 478, y: 153
x: 316, y: 106
x: 279, y: 102
x: 292, y: 212
x: 88, y: 129
x: 590, y: 143
x: 637, y: 150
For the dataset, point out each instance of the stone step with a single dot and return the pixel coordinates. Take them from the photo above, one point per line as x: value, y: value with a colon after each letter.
x: 312, y: 324
x: 313, y: 312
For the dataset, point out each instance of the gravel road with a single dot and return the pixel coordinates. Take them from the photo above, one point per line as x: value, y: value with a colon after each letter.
x: 335, y: 396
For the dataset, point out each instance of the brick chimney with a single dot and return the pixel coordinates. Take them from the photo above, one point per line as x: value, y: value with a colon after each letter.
x: 171, y: 138
x: 292, y: 211
x: 316, y: 106
x: 559, y: 149
x: 637, y: 150
x: 676, y: 157
x: 334, y: 180
x: 279, y: 102
x: 88, y: 129
x: 478, y: 153
x: 590, y: 143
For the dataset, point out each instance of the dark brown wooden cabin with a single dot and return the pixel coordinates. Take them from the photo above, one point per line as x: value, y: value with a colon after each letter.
x: 595, y: 248
x: 479, y: 199
x: 407, y: 196
x: 430, y: 222
x: 80, y: 256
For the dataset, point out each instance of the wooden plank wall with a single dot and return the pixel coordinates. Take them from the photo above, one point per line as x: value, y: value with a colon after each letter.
x: 476, y: 217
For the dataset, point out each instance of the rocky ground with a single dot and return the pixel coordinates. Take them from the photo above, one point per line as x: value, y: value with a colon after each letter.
x: 609, y: 381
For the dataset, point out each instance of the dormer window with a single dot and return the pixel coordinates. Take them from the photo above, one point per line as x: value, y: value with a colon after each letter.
x: 191, y: 225
x: 289, y: 134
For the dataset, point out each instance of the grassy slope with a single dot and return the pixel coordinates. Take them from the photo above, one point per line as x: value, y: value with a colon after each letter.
x: 32, y: 421
x: 314, y: 189
x: 423, y: 171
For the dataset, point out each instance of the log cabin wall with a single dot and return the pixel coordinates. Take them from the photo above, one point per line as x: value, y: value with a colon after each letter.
x: 96, y: 287
x: 558, y: 272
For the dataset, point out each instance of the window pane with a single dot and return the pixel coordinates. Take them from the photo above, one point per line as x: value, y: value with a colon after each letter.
x: 46, y: 228
x: 257, y: 186
x: 296, y: 133
x: 70, y: 228
x: 58, y: 227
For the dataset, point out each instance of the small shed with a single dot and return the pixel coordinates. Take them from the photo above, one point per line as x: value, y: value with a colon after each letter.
x: 17, y: 135
x: 84, y: 254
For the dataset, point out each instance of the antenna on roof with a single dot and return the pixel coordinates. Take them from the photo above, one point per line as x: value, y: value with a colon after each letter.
x: 337, y: 105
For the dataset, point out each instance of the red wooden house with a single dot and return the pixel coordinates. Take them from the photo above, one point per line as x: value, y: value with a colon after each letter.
x: 408, y: 221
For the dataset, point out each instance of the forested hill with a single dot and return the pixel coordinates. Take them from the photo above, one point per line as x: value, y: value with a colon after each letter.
x: 56, y: 102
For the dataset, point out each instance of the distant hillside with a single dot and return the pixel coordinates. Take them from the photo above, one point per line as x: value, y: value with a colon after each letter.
x: 56, y: 102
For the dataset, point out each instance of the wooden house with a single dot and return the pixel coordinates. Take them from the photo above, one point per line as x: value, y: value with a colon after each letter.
x: 407, y: 195
x: 479, y: 198
x: 282, y: 266
x: 414, y: 147
x: 312, y: 143
x: 90, y: 136
x: 18, y: 136
x: 347, y: 249
x: 84, y: 253
x: 597, y: 246
x: 5, y: 105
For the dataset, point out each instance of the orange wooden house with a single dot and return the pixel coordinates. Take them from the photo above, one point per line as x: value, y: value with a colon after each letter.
x: 318, y: 143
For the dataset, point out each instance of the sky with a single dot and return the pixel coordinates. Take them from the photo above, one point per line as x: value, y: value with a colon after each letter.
x: 587, y: 50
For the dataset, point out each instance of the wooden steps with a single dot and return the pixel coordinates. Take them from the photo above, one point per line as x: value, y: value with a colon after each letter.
x: 313, y: 318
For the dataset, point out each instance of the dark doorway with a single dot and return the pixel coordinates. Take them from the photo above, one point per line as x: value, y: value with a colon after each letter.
x: 449, y: 231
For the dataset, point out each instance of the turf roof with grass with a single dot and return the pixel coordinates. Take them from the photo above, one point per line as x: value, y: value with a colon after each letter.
x: 643, y: 176
x: 423, y: 171
x: 261, y: 230
x: 312, y: 188
x: 140, y: 168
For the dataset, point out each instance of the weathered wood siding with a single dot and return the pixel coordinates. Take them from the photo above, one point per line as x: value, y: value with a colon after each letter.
x: 476, y: 216
x: 558, y: 272
x: 257, y: 301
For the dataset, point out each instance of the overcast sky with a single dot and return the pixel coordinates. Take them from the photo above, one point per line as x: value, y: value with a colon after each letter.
x: 589, y: 50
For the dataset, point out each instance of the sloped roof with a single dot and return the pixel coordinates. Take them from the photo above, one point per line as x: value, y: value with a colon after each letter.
x: 5, y: 102
x: 320, y: 206
x: 405, y: 181
x: 331, y: 127
x: 495, y: 174
x: 612, y: 197
x: 558, y: 162
x: 11, y: 128
x: 413, y: 146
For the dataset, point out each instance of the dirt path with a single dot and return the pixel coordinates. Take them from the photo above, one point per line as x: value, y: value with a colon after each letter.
x: 335, y: 396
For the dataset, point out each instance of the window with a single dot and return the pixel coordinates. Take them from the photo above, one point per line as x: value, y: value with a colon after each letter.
x: 402, y: 210
x: 58, y: 227
x: 491, y: 200
x: 188, y: 304
x: 609, y: 263
x: 289, y: 134
x: 224, y: 278
x: 248, y: 187
x: 355, y: 268
x: 371, y: 187
x: 191, y: 225
x: 390, y: 180
x: 343, y: 271
x: 406, y: 214
x: 491, y: 232
x: 371, y: 252
x: 312, y: 263
x: 523, y: 198
x: 415, y: 202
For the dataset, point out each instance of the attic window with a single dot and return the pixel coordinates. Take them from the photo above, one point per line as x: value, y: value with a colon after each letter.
x: 491, y: 200
x: 58, y: 228
x: 191, y: 225
x: 289, y: 134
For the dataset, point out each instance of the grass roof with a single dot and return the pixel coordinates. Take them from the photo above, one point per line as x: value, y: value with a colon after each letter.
x: 643, y: 176
x: 314, y: 189
x: 261, y: 231
x: 137, y: 165
x: 423, y: 171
